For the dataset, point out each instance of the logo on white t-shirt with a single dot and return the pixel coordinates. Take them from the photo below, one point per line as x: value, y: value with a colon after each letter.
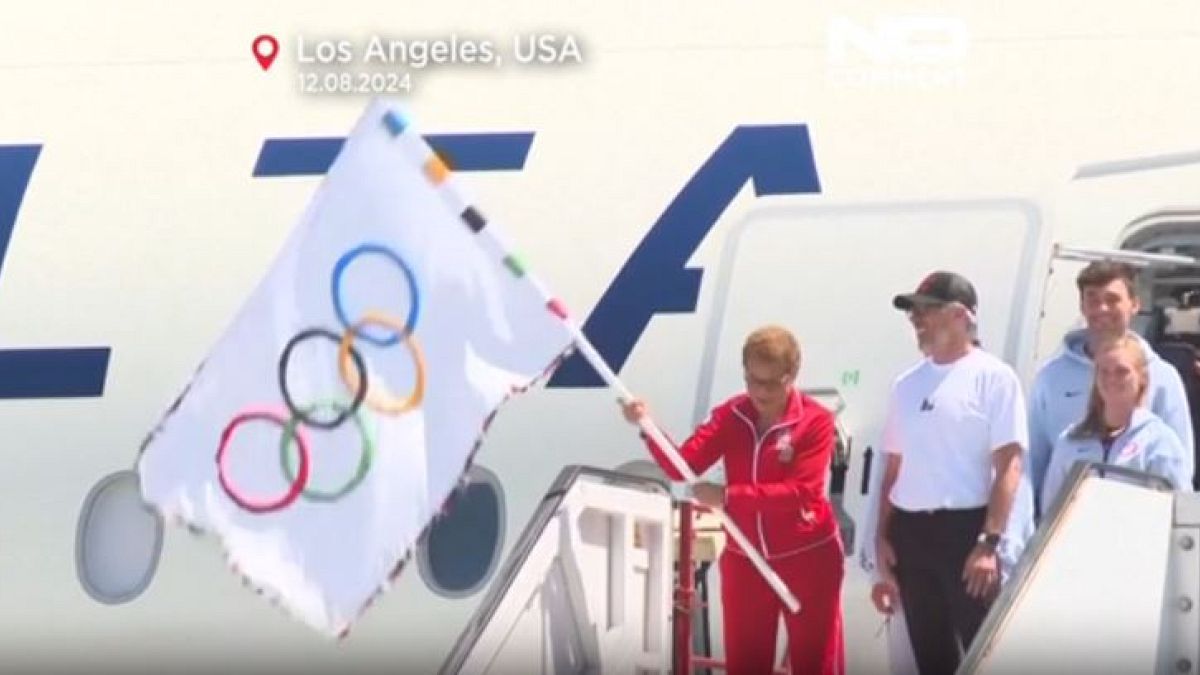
x: 946, y: 421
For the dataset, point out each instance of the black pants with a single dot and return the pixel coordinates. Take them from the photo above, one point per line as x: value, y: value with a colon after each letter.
x: 931, y: 549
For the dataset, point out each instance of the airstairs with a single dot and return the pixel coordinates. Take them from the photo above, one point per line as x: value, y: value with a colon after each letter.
x: 1109, y: 584
x: 587, y: 588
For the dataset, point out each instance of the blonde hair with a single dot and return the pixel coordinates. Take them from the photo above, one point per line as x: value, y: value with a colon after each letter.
x: 774, y: 345
x: 1092, y: 425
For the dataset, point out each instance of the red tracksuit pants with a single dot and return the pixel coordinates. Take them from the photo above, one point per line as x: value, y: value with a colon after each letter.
x: 752, y: 609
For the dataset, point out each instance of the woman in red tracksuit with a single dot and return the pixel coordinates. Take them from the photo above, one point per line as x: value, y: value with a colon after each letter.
x: 777, y: 445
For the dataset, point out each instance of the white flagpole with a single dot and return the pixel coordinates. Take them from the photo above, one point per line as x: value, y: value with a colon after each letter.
x: 651, y: 429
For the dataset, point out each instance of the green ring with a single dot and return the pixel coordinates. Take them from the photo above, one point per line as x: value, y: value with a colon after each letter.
x: 287, y: 463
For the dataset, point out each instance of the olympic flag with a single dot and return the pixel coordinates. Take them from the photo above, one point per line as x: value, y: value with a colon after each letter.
x: 336, y: 415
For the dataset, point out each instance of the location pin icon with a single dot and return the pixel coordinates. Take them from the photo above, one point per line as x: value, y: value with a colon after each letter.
x: 265, y: 48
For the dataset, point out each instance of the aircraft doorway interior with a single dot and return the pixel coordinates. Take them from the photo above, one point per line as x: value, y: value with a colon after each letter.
x: 1170, y: 296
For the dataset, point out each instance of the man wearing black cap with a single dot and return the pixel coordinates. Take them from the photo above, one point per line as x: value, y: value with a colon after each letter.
x: 954, y: 437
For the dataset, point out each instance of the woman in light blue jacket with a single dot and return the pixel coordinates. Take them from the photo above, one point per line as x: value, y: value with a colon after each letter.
x: 1117, y: 429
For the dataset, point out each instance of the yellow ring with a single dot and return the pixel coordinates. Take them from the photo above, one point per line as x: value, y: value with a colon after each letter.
x: 384, y: 404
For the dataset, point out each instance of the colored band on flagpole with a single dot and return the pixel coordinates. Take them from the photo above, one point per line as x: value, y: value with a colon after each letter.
x: 394, y: 122
x: 436, y: 170
x: 474, y: 219
x: 557, y: 308
x: 514, y: 265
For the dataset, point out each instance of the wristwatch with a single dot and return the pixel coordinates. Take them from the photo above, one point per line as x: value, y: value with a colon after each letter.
x: 989, y: 539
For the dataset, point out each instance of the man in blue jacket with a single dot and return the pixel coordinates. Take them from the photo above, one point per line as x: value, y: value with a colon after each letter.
x: 1108, y: 301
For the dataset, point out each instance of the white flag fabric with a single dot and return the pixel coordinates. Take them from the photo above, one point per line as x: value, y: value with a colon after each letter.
x: 334, y: 418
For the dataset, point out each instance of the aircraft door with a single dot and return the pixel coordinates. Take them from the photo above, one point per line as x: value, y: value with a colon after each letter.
x: 828, y: 273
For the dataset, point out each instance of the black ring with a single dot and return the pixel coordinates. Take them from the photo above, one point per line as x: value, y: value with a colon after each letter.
x: 287, y: 398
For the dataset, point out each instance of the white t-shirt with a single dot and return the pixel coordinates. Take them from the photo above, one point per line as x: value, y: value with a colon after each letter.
x: 945, y: 420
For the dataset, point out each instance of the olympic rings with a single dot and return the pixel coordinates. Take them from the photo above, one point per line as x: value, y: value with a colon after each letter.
x: 414, y: 309
x: 364, y: 463
x: 353, y: 371
x: 297, y: 485
x: 391, y: 406
x: 360, y: 391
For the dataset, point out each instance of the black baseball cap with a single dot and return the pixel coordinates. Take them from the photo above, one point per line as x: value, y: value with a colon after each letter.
x: 939, y: 288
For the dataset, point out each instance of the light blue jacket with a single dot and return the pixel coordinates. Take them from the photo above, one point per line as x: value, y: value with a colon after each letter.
x: 1060, y: 395
x: 1147, y: 445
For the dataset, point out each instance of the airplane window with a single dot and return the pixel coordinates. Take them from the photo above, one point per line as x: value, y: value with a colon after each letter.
x: 118, y: 540
x: 460, y: 552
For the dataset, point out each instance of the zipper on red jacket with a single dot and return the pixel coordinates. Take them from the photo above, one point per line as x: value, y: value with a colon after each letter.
x: 762, y: 537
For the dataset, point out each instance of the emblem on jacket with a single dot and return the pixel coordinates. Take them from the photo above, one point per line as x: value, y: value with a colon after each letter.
x: 783, y: 446
x: 1129, y: 451
x: 926, y: 405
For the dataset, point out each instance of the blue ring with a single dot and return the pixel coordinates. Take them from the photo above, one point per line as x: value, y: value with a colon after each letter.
x: 414, y: 309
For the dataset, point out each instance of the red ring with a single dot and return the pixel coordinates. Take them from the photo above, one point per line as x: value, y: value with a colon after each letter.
x: 297, y: 485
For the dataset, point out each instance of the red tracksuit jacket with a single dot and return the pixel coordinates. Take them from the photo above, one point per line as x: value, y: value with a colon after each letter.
x: 775, y: 485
